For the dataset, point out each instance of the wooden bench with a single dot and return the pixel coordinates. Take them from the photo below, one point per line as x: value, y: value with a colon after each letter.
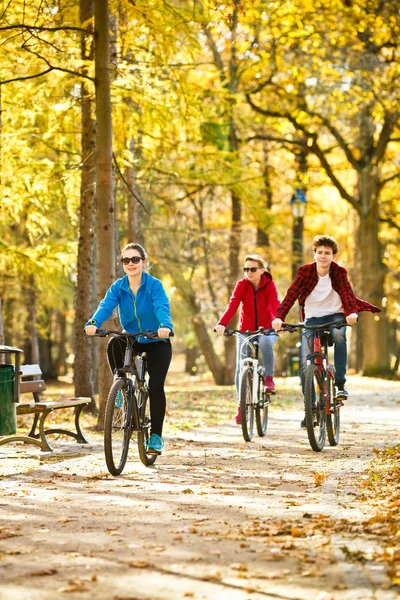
x: 41, y: 409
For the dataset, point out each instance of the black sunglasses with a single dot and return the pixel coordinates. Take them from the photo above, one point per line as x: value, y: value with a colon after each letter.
x: 251, y: 269
x: 134, y: 259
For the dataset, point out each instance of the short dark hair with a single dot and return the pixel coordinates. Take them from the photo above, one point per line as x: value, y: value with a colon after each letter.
x: 325, y: 240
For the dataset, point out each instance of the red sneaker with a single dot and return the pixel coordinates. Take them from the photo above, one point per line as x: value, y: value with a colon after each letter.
x: 269, y: 384
x: 238, y: 417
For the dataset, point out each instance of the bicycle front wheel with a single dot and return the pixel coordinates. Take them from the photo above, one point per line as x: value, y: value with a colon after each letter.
x: 246, y: 403
x: 314, y: 405
x: 117, y: 426
x: 142, y: 436
x: 262, y: 410
x: 333, y: 420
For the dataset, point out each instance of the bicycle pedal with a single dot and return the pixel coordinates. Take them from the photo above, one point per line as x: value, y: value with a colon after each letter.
x: 339, y: 403
x: 269, y: 392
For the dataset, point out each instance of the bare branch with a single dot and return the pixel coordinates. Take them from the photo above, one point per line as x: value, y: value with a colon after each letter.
x: 313, y: 147
x: 389, y: 124
x: 217, y: 57
x: 128, y: 186
x: 26, y: 77
x: 390, y: 222
x: 336, y: 134
x: 36, y: 28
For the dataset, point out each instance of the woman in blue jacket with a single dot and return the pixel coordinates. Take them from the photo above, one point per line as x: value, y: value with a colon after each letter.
x: 142, y: 304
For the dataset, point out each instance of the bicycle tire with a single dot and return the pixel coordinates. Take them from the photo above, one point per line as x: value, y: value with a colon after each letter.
x: 261, y: 410
x: 117, y: 426
x: 246, y: 403
x: 143, y: 435
x: 333, y: 420
x: 314, y: 396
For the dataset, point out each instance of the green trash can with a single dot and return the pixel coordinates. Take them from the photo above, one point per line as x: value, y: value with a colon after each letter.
x: 293, y: 362
x: 8, y: 413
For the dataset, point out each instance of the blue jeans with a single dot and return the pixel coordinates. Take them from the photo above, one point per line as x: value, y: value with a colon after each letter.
x: 339, y: 342
x: 266, y: 343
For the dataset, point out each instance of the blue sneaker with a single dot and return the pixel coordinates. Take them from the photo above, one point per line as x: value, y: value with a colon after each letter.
x: 155, y: 444
x: 119, y: 399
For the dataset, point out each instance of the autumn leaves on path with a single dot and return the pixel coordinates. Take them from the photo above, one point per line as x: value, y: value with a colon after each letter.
x: 215, y: 517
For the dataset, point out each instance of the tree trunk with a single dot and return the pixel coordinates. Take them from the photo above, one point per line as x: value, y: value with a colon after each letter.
x: 375, y: 359
x: 134, y: 230
x: 104, y: 183
x: 1, y: 325
x: 83, y: 372
x: 32, y: 333
x: 262, y: 236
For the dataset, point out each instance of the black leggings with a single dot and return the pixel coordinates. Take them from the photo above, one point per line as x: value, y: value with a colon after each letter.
x: 158, y: 360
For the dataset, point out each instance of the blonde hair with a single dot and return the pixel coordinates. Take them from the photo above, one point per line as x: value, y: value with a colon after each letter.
x: 258, y: 259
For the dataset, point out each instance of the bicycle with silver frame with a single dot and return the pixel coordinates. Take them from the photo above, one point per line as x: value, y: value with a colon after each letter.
x: 254, y: 398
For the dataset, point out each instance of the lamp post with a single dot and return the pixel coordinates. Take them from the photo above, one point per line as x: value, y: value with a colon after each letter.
x: 298, y: 205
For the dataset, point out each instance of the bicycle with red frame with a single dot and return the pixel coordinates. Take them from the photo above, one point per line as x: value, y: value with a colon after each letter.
x: 322, y: 407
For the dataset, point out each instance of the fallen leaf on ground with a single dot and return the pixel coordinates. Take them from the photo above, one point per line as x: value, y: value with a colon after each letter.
x: 139, y: 564
x: 74, y: 586
x: 319, y: 478
x: 43, y: 572
x: 216, y: 576
x: 238, y: 566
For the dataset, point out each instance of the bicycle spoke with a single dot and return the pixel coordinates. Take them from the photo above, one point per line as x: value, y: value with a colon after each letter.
x: 117, y: 426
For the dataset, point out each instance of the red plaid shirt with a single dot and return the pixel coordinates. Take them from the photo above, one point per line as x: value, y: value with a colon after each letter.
x: 307, y: 279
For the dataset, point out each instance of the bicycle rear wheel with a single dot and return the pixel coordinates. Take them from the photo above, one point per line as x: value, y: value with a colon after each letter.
x: 246, y: 403
x: 142, y: 436
x: 314, y: 404
x: 333, y: 420
x: 117, y: 426
x: 262, y: 409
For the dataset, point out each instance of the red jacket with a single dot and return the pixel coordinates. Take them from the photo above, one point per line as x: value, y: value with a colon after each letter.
x: 307, y: 279
x: 258, y: 307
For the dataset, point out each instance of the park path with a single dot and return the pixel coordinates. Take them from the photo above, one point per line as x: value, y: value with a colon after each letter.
x: 215, y: 518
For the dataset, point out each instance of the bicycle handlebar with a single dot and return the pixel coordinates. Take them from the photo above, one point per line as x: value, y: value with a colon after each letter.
x: 260, y: 330
x: 151, y: 335
x: 292, y: 327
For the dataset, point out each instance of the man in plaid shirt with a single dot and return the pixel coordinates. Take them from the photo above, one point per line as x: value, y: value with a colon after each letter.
x: 325, y: 295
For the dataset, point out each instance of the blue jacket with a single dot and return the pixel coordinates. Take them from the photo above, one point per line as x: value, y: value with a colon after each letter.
x: 149, y: 309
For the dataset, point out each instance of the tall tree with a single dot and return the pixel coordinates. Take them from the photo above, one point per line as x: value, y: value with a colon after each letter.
x: 83, y: 374
x: 349, y: 113
x: 105, y: 206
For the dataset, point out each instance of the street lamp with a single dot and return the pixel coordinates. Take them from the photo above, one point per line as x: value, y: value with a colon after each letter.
x: 298, y: 204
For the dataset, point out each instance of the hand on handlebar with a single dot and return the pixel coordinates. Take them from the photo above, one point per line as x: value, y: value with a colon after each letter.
x: 352, y: 319
x: 91, y: 330
x: 277, y: 324
x: 163, y: 332
x: 220, y: 330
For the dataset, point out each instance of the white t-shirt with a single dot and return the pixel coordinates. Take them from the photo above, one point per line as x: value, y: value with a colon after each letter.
x: 323, y: 300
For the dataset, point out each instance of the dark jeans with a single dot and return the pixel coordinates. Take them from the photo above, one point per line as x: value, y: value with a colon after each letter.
x: 339, y: 342
x: 159, y: 356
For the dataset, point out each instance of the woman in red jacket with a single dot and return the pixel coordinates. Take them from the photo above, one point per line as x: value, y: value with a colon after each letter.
x: 258, y: 299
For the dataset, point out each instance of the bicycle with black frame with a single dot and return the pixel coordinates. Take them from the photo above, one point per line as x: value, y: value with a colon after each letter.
x: 127, y: 413
x: 321, y: 404
x: 254, y: 398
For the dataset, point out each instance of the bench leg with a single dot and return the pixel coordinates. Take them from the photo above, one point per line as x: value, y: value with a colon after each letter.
x: 78, y: 436
x: 39, y: 439
x: 32, y: 432
x: 44, y: 446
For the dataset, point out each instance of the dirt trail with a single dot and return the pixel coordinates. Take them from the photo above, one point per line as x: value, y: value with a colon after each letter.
x: 215, y: 517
